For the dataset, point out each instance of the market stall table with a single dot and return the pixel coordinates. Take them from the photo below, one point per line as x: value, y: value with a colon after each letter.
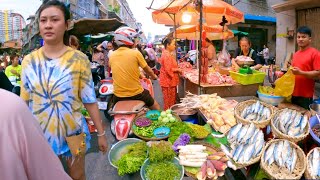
x: 223, y: 90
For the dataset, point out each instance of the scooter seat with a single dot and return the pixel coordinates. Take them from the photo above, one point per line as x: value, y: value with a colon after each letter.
x: 129, y: 105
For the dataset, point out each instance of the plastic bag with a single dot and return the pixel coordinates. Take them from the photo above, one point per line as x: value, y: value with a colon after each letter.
x: 224, y: 56
x: 268, y: 90
x: 285, y: 85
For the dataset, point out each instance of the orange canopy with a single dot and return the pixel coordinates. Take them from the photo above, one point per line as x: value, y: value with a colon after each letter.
x: 213, y: 11
x: 191, y: 32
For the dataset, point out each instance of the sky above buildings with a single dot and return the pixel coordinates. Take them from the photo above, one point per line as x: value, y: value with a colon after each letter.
x: 138, y: 7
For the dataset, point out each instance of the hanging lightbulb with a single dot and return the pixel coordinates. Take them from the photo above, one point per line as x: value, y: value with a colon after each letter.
x: 186, y: 17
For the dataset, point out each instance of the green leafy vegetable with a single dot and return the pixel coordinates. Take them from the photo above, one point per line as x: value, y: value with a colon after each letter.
x: 162, y: 171
x: 208, y: 128
x: 148, y: 131
x: 133, y: 160
x: 161, y: 151
x: 178, y: 128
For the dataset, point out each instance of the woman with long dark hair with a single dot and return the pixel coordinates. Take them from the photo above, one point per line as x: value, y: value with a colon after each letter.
x: 56, y: 83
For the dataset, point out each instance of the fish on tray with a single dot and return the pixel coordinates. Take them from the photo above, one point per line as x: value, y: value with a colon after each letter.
x: 256, y: 112
x: 246, y: 143
x: 291, y: 122
x: 282, y: 154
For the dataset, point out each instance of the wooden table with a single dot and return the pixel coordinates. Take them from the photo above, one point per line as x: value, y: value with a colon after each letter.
x: 224, y: 90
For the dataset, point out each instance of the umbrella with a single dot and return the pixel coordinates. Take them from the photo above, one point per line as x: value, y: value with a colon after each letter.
x: 191, y: 32
x: 213, y: 11
x: 236, y: 32
x: 93, y: 26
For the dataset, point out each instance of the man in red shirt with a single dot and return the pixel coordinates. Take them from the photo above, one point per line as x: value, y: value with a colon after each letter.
x: 306, y: 67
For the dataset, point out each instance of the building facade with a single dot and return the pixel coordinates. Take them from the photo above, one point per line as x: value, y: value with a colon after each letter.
x: 290, y: 15
x: 11, y: 26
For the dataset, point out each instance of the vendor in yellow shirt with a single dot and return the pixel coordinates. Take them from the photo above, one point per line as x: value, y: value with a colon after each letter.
x: 13, y: 71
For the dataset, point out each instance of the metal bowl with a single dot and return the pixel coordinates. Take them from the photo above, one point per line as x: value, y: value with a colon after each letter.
x: 184, y: 116
x: 147, y: 162
x: 315, y: 109
x: 119, y: 149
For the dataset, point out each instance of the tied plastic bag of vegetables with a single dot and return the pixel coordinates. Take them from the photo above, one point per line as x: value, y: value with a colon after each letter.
x: 224, y: 56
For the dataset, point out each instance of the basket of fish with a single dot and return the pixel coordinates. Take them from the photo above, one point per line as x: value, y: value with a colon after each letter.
x: 253, y: 111
x: 313, y: 164
x: 246, y: 144
x: 290, y: 124
x: 282, y: 159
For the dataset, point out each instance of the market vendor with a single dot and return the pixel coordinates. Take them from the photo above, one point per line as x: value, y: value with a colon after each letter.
x: 306, y: 66
x: 246, y: 50
x: 212, y: 55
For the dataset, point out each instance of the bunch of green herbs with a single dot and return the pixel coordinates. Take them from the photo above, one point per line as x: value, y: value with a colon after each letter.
x: 178, y: 128
x: 161, y: 151
x: 132, y: 161
x: 162, y: 171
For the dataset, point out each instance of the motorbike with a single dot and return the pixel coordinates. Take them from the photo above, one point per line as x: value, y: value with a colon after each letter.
x: 122, y: 113
x: 97, y: 72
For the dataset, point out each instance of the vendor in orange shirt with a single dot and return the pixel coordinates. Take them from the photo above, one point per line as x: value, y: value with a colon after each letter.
x: 306, y: 66
x: 169, y: 73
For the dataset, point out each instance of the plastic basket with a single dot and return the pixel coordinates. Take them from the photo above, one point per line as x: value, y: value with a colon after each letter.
x: 246, y: 79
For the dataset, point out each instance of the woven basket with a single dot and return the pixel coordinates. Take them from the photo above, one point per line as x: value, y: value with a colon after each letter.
x: 280, y: 135
x: 152, y: 138
x: 276, y: 172
x: 307, y: 172
x: 260, y: 124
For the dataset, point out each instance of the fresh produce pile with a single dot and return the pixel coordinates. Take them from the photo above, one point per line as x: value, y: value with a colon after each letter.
x: 291, y: 122
x: 256, y: 112
x: 161, y: 166
x: 161, y: 151
x: 148, y: 131
x: 162, y: 171
x: 166, y: 116
x: 132, y: 161
x: 204, y: 163
x: 218, y: 111
x: 200, y: 132
x: 185, y: 65
x: 313, y: 164
x: 246, y: 142
x: 281, y: 154
x: 316, y: 130
x: 177, y: 128
x: 183, y: 140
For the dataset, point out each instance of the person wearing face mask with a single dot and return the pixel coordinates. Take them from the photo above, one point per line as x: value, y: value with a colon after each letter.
x: 56, y: 82
x: 306, y: 68
x: 246, y: 50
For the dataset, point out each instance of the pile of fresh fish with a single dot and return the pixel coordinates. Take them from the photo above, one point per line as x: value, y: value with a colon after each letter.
x: 282, y: 154
x: 314, y: 164
x: 246, y: 142
x: 291, y: 122
x: 256, y: 112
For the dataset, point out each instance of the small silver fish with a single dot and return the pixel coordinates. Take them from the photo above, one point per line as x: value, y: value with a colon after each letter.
x: 257, y: 107
x: 237, y: 152
x: 278, y: 157
x: 251, y: 117
x: 285, y: 152
x: 294, y: 160
x: 315, y: 162
x: 234, y: 131
x: 249, y: 133
x: 248, y: 153
x: 252, y: 139
x: 303, y: 123
x: 258, y: 147
x: 297, y: 120
x: 242, y: 133
x: 245, y: 112
x: 269, y: 152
